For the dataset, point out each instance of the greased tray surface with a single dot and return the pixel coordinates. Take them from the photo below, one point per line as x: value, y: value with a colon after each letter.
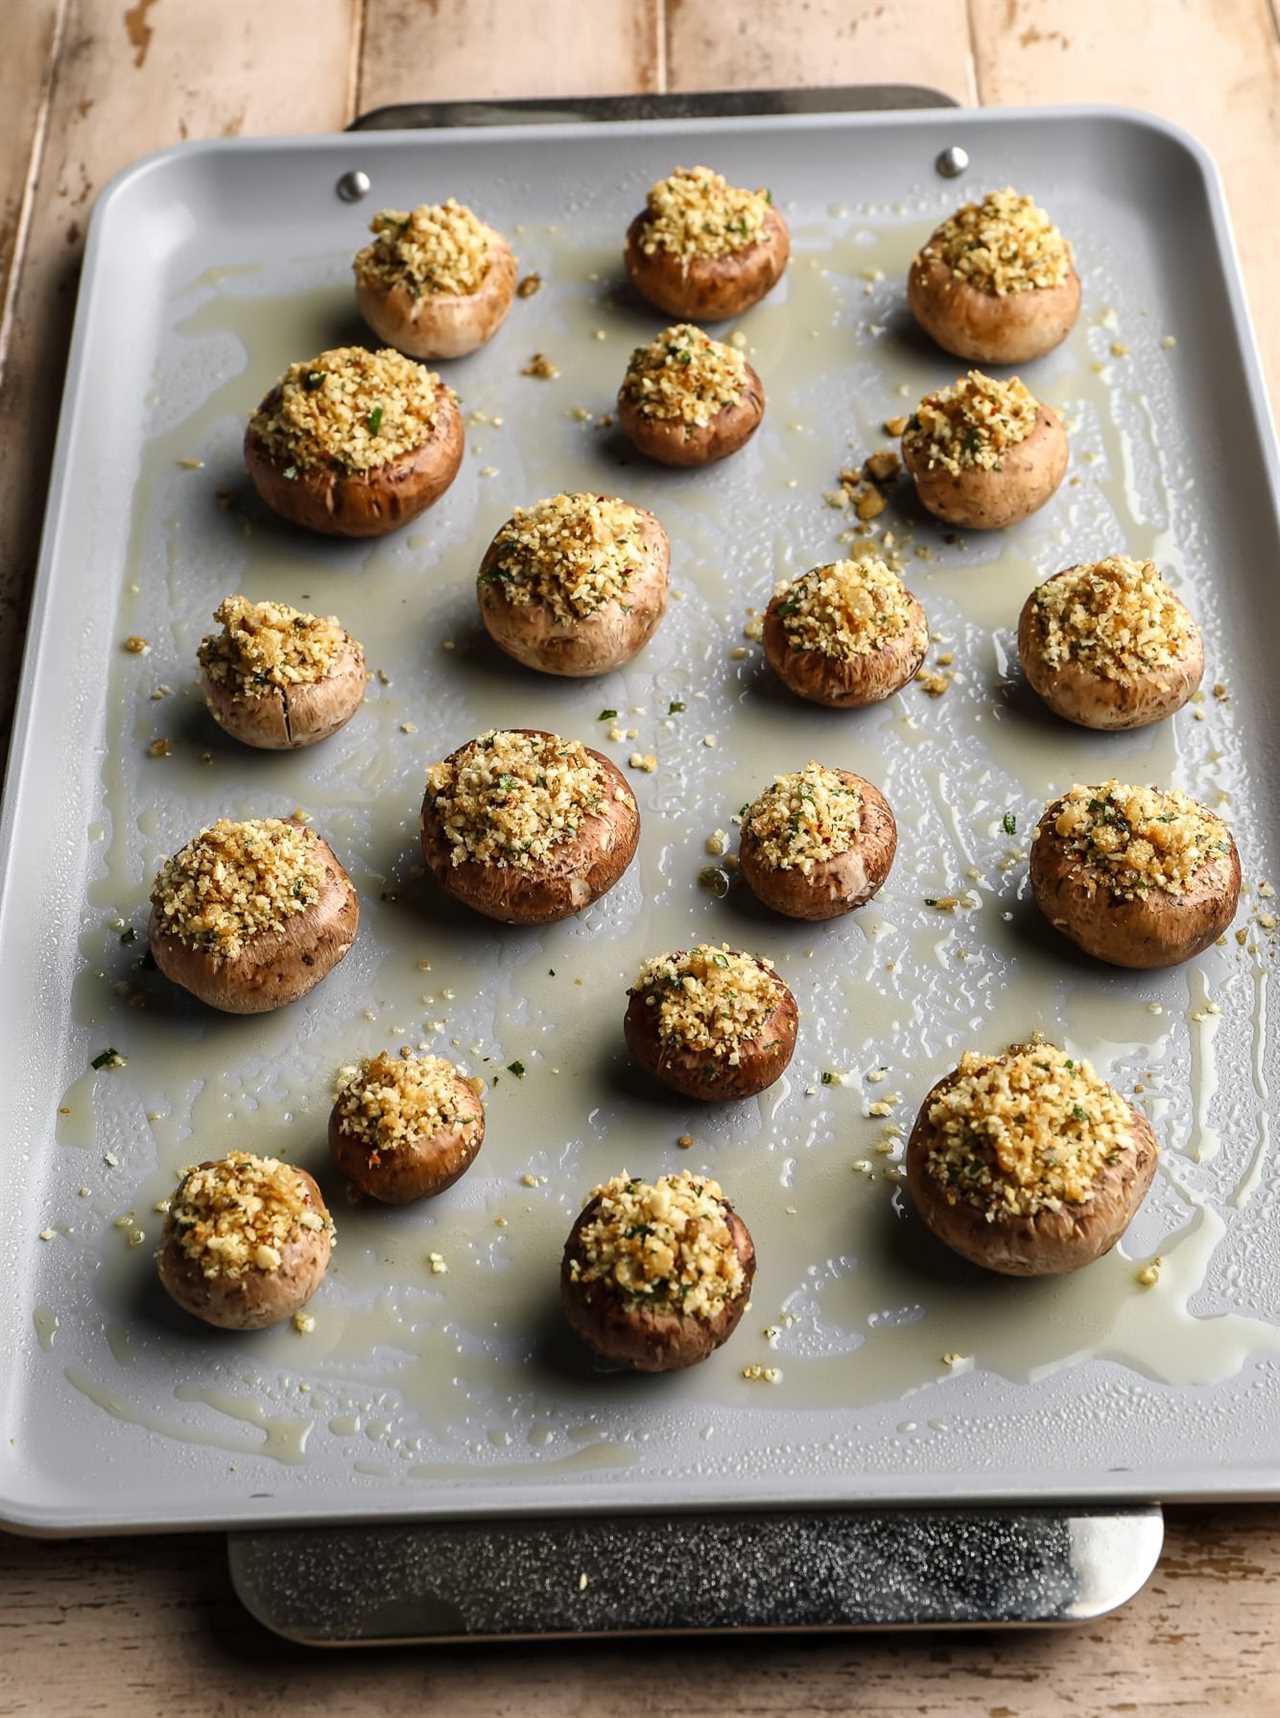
x: 210, y: 269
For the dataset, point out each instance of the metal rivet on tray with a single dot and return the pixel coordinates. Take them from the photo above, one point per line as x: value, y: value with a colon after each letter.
x: 952, y: 162
x: 354, y: 185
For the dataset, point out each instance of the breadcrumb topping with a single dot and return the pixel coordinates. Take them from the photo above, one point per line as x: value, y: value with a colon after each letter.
x: 242, y: 1213
x: 350, y: 410
x: 695, y: 212
x: 436, y: 248
x: 266, y: 644
x: 390, y: 1101
x: 1116, y: 617
x: 1026, y: 1131
x: 1006, y: 243
x: 710, y: 998
x: 849, y: 608
x: 806, y: 817
x: 972, y: 423
x: 512, y: 798
x: 1134, y: 840
x: 667, y: 1241
x: 685, y: 376
x: 572, y: 553
x: 235, y: 881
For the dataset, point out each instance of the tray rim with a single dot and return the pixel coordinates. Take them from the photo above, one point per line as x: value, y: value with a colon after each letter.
x: 532, y: 1500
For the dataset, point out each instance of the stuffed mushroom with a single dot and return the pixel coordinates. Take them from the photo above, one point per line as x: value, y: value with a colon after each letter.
x: 250, y: 916
x: 277, y: 678
x: 702, y: 249
x: 436, y: 282
x: 246, y: 1241
x: 656, y: 1276
x: 354, y: 443
x: 527, y: 827
x: 984, y: 454
x: 817, y: 843
x: 1028, y: 1163
x: 1109, y: 645
x: 687, y: 399
x: 996, y: 283
x: 711, y: 1022
x: 575, y: 585
x: 846, y: 634
x: 1135, y: 876
x: 405, y: 1127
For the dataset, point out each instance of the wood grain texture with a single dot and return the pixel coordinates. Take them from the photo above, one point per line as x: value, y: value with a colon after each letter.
x: 778, y: 43
x: 151, y: 1625
x: 122, y: 80
x: 26, y: 84
x: 1212, y: 67
x: 419, y: 50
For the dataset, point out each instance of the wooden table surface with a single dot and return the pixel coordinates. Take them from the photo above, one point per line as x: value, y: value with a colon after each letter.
x: 88, y: 85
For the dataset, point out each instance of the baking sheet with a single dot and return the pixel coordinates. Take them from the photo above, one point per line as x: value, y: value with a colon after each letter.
x: 417, y: 1393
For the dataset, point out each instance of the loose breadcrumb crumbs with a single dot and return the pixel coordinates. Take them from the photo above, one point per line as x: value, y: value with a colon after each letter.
x: 711, y: 999
x: 541, y: 367
x: 512, y: 798
x: 437, y: 248
x: 242, y: 1213
x: 266, y: 644
x: 1026, y: 1131
x: 849, y: 608
x: 1133, y: 840
x: 805, y: 818
x: 667, y: 1242
x: 529, y: 285
x: 234, y: 881
x: 573, y: 554
x: 1004, y: 244
x: 971, y: 424
x: 136, y: 645
x: 1117, y: 617
x: 349, y: 410
x: 685, y: 376
x: 388, y: 1102
x: 695, y: 212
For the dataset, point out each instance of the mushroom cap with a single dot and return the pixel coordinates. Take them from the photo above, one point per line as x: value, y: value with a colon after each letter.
x: 672, y: 442
x: 845, y: 682
x: 1155, y: 929
x: 708, y: 289
x: 257, y: 1298
x: 365, y: 504
x: 441, y: 324
x: 643, y: 1336
x: 982, y: 500
x: 594, y: 643
x: 417, y: 1169
x: 762, y: 1058
x: 836, y: 885
x: 1080, y: 693
x: 274, y: 967
x: 1048, y: 1242
x: 990, y: 327
x: 286, y: 718
x: 569, y: 878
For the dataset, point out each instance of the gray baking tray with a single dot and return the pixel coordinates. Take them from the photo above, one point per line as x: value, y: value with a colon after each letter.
x: 905, y: 1377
